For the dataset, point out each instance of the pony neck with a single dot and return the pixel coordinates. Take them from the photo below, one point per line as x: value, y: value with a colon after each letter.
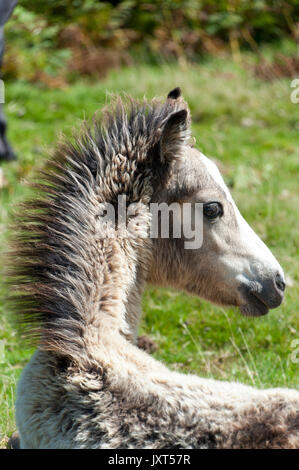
x: 119, y: 284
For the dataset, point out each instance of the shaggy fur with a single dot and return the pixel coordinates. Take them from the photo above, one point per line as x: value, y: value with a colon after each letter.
x: 79, y: 286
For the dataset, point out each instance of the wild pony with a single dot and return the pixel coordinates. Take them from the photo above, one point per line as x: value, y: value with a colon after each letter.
x: 79, y: 280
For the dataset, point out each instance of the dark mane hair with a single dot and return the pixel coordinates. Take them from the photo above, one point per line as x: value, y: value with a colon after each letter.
x: 53, y: 256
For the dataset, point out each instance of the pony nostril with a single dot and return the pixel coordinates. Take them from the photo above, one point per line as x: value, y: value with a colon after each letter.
x: 280, y: 284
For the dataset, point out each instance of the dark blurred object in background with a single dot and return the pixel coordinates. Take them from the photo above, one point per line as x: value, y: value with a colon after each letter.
x: 6, y: 8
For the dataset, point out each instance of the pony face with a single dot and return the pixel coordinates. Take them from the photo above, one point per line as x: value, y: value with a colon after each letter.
x: 232, y: 266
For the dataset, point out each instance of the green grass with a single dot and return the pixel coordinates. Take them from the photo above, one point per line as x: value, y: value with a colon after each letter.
x: 251, y: 128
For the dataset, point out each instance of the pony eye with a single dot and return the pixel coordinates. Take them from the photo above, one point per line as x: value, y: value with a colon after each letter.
x: 212, y: 210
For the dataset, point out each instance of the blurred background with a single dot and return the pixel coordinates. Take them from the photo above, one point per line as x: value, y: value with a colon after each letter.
x: 236, y: 62
x: 57, y: 42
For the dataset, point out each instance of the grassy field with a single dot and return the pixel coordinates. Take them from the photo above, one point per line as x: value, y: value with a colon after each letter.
x: 251, y: 128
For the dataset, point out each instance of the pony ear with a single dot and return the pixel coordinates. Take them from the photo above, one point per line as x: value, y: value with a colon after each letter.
x: 175, y: 135
x: 174, y: 94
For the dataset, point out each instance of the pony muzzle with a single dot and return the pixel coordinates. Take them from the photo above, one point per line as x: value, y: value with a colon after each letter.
x: 262, y: 295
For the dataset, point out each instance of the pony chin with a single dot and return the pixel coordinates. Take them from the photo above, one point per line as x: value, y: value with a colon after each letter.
x: 254, y: 309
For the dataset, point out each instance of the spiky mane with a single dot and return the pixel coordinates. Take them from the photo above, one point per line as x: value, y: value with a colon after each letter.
x: 54, y: 254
